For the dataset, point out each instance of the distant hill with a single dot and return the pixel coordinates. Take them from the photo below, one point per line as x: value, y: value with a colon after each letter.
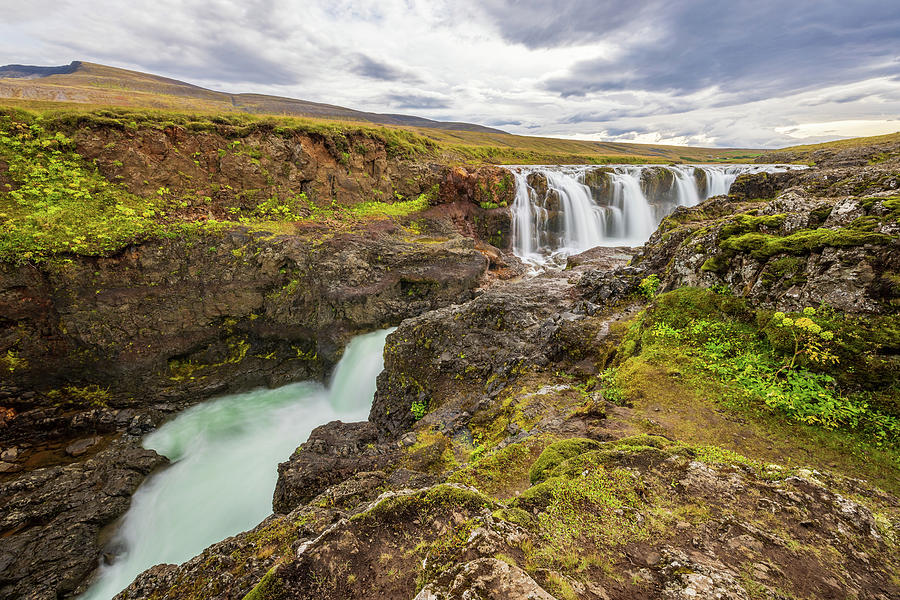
x: 88, y: 87
x: 95, y: 84
x: 849, y: 152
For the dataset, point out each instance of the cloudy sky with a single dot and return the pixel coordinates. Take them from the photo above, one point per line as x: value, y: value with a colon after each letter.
x: 721, y: 73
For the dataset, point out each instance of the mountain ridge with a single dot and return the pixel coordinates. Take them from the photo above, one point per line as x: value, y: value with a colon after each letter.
x: 87, y: 82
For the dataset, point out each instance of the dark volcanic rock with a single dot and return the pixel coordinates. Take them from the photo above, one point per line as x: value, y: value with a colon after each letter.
x: 761, y: 185
x: 52, y: 518
x: 795, y: 251
x: 455, y: 352
x: 333, y: 453
x: 222, y: 312
x: 658, y: 185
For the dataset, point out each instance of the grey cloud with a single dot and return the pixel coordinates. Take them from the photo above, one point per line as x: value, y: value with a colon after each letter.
x: 205, y: 46
x: 502, y: 122
x: 415, y: 101
x: 758, y: 48
x: 375, y: 69
x: 626, y: 131
x: 541, y: 24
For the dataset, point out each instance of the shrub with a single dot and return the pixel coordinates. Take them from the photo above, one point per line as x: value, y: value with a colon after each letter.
x: 649, y: 286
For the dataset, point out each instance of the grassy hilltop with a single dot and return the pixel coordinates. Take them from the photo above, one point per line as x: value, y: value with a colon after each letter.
x: 86, y: 87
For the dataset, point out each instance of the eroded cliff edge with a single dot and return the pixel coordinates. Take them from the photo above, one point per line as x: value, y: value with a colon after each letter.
x: 619, y: 430
x: 583, y: 434
x: 226, y: 257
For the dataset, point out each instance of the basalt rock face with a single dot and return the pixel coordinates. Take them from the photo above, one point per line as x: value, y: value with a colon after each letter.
x: 453, y: 351
x: 220, y: 312
x: 797, y: 250
x: 53, y: 516
x: 332, y: 454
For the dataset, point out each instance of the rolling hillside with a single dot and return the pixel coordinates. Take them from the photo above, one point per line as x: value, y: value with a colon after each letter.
x: 88, y: 87
x: 90, y: 83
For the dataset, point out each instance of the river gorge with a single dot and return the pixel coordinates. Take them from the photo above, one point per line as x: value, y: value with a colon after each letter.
x: 521, y: 381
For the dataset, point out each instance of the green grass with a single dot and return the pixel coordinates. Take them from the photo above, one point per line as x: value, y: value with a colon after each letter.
x: 449, y: 146
x: 54, y: 203
x: 794, y: 365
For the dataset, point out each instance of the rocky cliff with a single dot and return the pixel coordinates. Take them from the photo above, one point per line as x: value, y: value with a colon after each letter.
x: 713, y: 415
x: 290, y: 244
x: 571, y: 435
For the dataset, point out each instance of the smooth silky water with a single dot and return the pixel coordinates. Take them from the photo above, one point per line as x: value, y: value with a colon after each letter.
x: 225, y: 454
x: 545, y: 233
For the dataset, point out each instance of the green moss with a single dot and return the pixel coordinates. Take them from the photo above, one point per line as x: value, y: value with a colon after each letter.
x: 268, y: 588
x: 499, y: 472
x: 11, y: 361
x: 598, y: 506
x: 556, y: 453
x: 747, y: 222
x: 514, y: 515
x: 820, y: 215
x: 786, y: 266
x: 536, y: 496
x: 89, y: 395
x: 715, y: 264
x: 763, y: 246
x: 440, y: 498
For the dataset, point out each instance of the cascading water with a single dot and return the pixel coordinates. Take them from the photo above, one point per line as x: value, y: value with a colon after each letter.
x: 563, y: 210
x: 225, y: 453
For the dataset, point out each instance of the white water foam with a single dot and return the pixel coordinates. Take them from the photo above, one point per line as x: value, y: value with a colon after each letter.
x: 225, y: 454
x: 571, y: 217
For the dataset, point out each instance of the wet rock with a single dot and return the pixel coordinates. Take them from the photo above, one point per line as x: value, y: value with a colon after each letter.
x: 658, y: 185
x: 52, y: 518
x: 333, y: 453
x: 81, y: 446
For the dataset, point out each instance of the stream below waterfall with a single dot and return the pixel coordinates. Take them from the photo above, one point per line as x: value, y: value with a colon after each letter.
x: 225, y: 454
x: 566, y: 209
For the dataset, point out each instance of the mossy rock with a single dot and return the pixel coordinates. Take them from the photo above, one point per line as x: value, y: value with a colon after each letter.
x: 558, y: 452
x: 514, y: 515
x: 537, y: 496
x: 762, y: 246
x: 268, y: 588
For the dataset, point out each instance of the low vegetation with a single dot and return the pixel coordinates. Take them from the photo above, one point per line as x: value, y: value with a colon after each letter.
x: 453, y: 146
x: 816, y: 367
x: 55, y: 203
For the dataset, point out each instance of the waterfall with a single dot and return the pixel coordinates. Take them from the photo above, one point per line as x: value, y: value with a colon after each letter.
x: 563, y: 210
x: 687, y: 193
x: 225, y: 454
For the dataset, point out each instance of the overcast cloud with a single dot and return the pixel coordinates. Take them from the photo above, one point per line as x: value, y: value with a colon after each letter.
x: 738, y: 73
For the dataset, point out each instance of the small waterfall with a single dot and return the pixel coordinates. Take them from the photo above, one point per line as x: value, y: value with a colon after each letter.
x: 564, y: 210
x: 719, y: 179
x: 635, y: 219
x: 687, y: 193
x: 225, y: 454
